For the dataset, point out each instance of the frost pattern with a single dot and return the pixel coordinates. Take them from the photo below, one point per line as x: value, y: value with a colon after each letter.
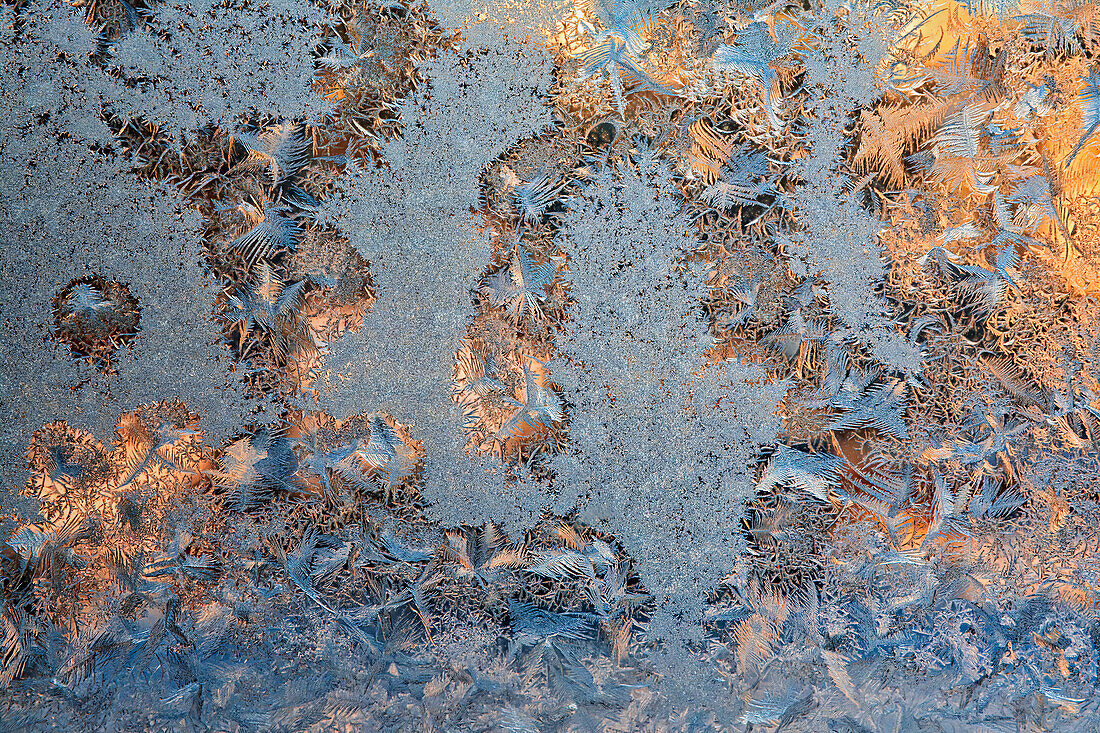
x: 57, y: 224
x: 836, y: 241
x: 659, y: 442
x: 411, y: 221
x: 212, y: 61
x: 907, y: 537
